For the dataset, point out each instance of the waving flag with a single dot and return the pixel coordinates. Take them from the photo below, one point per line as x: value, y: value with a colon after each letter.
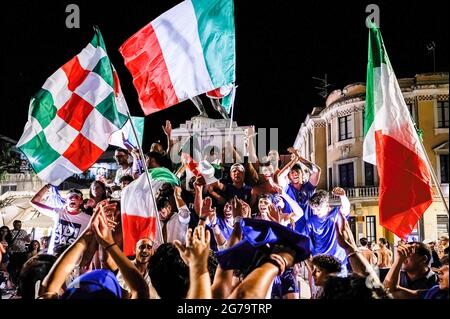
x: 72, y: 117
x: 124, y: 138
x: 187, y: 51
x: 138, y: 211
x: 392, y: 144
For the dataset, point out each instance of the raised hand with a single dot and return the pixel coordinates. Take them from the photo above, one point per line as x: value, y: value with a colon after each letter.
x: 167, y: 128
x: 246, y: 209
x: 275, y: 214
x: 101, y: 229
x: 207, y: 208
x: 196, y: 251
x: 338, y: 191
x: 404, y: 251
x: 344, y: 233
x: 177, y: 191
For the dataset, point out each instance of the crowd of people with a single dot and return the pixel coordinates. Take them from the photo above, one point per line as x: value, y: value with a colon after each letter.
x: 245, y: 229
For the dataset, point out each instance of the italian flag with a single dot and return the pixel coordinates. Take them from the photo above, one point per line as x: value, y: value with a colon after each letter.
x: 187, y: 51
x: 139, y: 215
x: 392, y: 144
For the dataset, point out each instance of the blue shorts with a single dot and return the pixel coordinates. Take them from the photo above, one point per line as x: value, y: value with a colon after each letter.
x: 284, y: 284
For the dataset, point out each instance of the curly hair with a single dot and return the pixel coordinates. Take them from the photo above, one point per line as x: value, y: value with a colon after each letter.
x: 327, y: 262
x: 353, y: 286
x: 319, y: 198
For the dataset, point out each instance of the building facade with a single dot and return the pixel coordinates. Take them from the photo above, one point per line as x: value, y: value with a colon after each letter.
x: 332, y: 137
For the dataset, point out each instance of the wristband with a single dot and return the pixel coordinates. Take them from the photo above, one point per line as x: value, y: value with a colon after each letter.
x: 202, y: 218
x: 109, y: 246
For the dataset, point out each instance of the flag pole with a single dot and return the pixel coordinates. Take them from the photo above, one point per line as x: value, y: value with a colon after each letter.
x: 433, y: 174
x: 144, y: 162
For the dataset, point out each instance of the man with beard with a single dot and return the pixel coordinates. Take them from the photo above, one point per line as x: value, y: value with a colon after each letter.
x: 69, y: 221
x: 144, y: 250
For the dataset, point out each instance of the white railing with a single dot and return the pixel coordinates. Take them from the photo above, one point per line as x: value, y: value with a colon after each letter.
x: 361, y: 192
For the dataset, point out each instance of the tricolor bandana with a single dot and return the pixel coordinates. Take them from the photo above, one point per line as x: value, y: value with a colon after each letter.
x: 72, y: 117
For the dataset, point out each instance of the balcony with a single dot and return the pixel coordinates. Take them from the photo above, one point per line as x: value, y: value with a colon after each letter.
x: 360, y: 193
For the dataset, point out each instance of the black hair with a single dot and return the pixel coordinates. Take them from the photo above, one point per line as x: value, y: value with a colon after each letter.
x: 103, y: 186
x: 159, y: 158
x: 125, y: 178
x: 17, y: 221
x: 169, y: 273
x: 297, y: 167
x: 352, y: 287
x: 123, y: 150
x: 422, y: 250
x: 36, y: 268
x: 161, y: 202
x: 8, y: 237
x: 382, y: 240
x: 30, y: 246
x: 363, y: 241
x: 328, y: 263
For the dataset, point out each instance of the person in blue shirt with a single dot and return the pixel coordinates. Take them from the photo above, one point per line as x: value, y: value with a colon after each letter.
x: 319, y: 221
x: 392, y: 282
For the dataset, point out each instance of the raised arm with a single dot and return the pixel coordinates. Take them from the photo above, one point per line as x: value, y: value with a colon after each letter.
x: 195, y: 254
x: 281, y: 176
x: 392, y: 279
x: 297, y: 211
x: 212, y: 190
x: 133, y: 278
x: 258, y: 282
x: 314, y: 178
x: 37, y: 202
x: 183, y: 212
x: 168, y: 131
x: 61, y: 270
x: 345, y: 203
x: 359, y: 263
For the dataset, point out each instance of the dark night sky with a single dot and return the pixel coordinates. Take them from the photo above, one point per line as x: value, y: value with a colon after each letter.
x: 280, y: 46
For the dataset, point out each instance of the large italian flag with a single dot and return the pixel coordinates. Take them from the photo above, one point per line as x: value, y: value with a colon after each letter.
x: 392, y: 144
x: 186, y: 51
x: 139, y: 214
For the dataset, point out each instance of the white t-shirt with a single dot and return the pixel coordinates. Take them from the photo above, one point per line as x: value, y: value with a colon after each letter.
x: 122, y: 172
x: 177, y: 225
x: 67, y: 228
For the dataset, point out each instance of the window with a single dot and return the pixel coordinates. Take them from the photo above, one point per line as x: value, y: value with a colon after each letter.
x: 369, y: 174
x: 443, y: 159
x: 346, y: 175
x: 310, y: 142
x: 413, y: 111
x: 371, y: 229
x: 6, y: 188
x: 352, y: 224
x: 442, y: 114
x: 442, y: 224
x: 345, y: 128
x: 329, y: 133
x: 330, y: 178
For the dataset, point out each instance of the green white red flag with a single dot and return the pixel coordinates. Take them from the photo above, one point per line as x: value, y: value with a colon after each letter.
x: 73, y: 115
x: 392, y: 144
x: 187, y: 51
x: 139, y: 216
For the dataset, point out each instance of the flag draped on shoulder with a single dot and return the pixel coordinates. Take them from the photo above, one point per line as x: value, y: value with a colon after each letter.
x: 186, y: 51
x: 139, y: 216
x: 73, y: 115
x: 392, y: 144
